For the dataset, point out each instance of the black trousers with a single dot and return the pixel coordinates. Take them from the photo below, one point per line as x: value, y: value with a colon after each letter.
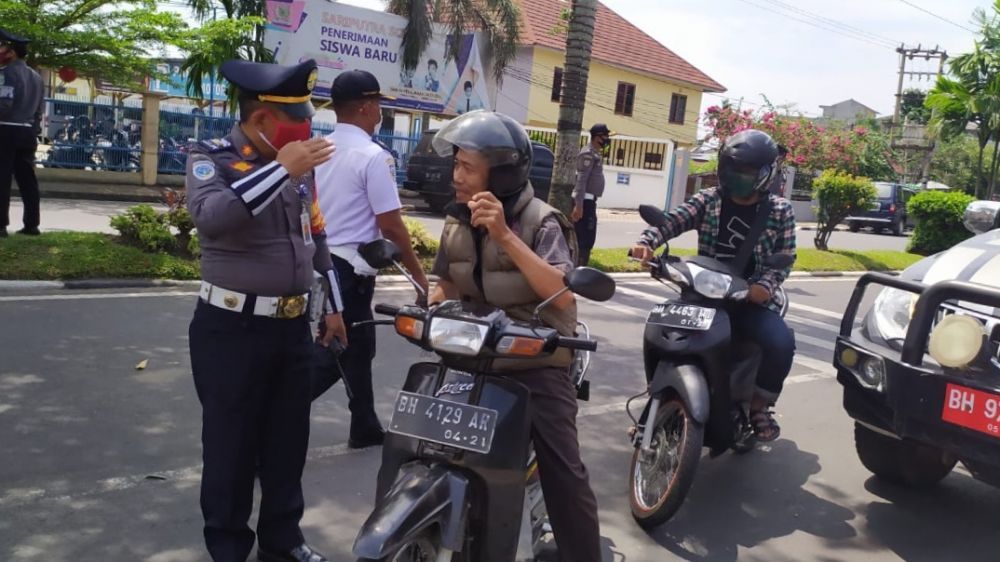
x: 17, y: 161
x: 569, y: 499
x: 586, y: 230
x: 252, y: 378
x: 356, y: 361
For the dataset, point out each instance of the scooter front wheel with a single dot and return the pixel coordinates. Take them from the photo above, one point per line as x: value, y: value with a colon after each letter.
x: 661, y: 477
x: 426, y: 547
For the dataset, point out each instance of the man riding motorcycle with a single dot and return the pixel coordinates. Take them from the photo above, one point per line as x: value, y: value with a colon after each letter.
x: 723, y: 217
x: 502, y: 246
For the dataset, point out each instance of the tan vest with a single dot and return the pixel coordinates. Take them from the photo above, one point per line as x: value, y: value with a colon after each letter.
x: 504, y: 286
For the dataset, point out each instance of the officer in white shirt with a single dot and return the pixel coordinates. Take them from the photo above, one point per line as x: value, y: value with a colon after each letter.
x: 359, y: 196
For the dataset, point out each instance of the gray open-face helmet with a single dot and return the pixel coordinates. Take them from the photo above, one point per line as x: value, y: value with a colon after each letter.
x: 500, y: 139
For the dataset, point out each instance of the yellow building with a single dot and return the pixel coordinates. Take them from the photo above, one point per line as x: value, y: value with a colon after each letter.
x: 637, y: 86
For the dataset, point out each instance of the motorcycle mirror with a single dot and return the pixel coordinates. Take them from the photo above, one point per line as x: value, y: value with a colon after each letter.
x: 780, y: 261
x: 591, y: 284
x: 380, y: 253
x: 652, y: 215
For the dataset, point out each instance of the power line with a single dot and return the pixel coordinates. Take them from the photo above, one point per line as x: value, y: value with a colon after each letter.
x: 833, y: 22
x: 825, y: 27
x: 938, y: 16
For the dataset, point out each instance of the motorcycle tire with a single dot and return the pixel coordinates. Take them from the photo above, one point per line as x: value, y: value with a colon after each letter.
x: 425, y: 547
x: 678, y: 440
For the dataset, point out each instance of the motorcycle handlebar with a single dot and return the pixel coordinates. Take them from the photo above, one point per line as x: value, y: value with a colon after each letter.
x: 386, y: 309
x: 577, y: 343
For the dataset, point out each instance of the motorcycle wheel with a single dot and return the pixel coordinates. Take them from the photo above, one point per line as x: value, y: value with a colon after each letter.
x: 426, y: 547
x: 659, y: 482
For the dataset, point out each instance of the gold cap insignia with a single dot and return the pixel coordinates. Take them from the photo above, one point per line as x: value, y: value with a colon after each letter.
x: 311, y: 81
x: 230, y: 301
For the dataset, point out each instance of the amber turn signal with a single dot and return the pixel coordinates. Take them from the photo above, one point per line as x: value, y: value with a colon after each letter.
x: 409, y: 327
x: 525, y: 347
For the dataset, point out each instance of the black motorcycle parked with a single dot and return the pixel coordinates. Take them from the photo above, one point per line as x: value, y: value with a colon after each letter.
x: 457, y: 463
x: 700, y: 380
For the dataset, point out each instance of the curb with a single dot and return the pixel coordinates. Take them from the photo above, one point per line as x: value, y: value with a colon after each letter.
x: 385, y: 280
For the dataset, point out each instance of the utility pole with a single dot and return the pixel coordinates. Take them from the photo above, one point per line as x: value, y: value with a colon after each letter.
x: 924, y: 144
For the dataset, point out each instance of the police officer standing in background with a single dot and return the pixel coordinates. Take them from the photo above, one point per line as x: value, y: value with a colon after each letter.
x: 358, y: 187
x: 589, y: 188
x: 252, y: 199
x: 21, y: 104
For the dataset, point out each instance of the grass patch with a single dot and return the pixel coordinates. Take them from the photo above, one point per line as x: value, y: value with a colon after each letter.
x: 87, y: 255
x: 615, y: 260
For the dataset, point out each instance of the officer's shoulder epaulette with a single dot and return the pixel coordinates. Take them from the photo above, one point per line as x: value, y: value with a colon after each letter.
x: 214, y: 145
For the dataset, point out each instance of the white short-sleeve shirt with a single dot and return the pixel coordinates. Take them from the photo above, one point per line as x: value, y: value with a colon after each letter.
x: 355, y: 185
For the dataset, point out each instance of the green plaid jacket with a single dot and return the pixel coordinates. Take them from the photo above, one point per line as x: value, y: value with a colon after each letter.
x: 703, y: 211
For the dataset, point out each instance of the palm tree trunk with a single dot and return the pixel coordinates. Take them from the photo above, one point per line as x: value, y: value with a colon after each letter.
x: 994, y: 165
x: 979, y: 169
x: 579, y: 41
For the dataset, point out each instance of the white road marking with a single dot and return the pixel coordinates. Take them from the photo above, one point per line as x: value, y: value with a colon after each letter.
x: 94, y: 296
x: 817, y: 311
x: 146, y: 295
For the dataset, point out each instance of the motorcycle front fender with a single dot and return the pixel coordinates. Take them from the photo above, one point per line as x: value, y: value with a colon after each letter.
x: 422, y: 496
x: 689, y: 383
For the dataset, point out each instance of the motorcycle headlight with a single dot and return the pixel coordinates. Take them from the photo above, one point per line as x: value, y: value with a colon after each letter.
x: 457, y: 336
x: 708, y: 283
x: 892, y: 310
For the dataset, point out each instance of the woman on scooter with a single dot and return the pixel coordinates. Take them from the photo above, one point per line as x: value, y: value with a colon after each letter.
x: 723, y: 217
x: 502, y: 246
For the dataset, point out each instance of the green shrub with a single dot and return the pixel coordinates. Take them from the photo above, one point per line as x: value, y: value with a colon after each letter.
x: 838, y: 194
x: 194, y: 246
x: 423, y: 243
x: 939, y: 218
x: 181, y: 220
x: 146, y: 228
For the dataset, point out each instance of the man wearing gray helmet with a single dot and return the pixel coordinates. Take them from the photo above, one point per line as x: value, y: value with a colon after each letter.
x: 503, y: 246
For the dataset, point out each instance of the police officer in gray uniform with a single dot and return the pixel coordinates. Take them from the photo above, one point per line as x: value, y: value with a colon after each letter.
x: 253, y: 201
x: 589, y: 188
x: 21, y: 103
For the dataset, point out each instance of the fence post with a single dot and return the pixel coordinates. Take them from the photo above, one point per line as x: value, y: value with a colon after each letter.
x: 150, y: 137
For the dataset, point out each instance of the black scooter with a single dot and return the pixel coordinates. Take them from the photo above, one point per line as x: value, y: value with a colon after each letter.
x: 457, y: 460
x: 700, y: 380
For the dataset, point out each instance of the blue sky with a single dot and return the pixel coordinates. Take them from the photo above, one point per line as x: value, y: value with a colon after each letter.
x: 751, y: 49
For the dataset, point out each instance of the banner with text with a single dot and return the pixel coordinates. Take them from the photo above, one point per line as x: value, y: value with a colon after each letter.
x: 341, y: 37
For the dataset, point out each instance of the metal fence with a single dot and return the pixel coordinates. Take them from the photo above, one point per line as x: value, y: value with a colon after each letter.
x: 92, y: 136
x: 107, y: 135
x: 622, y: 153
x: 180, y: 128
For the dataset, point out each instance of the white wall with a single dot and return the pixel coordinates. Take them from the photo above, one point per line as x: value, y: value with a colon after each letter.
x: 644, y: 187
x: 512, y: 98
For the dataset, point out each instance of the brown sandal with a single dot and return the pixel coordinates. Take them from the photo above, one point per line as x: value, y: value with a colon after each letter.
x: 764, y: 426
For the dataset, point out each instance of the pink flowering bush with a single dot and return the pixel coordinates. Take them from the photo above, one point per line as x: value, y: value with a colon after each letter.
x: 810, y: 146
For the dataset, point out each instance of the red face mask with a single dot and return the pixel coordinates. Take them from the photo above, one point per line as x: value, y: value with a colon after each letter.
x: 285, y: 133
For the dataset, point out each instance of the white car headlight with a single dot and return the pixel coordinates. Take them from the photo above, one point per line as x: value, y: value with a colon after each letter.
x: 893, y: 309
x: 456, y: 336
x: 711, y: 284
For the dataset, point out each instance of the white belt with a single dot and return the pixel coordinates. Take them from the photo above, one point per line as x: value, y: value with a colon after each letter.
x: 271, y: 307
x: 590, y: 196
x: 350, y: 255
x: 16, y: 124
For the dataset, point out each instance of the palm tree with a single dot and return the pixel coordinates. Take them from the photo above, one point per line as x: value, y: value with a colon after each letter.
x: 972, y: 95
x: 499, y: 20
x: 237, y: 35
x: 579, y: 42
